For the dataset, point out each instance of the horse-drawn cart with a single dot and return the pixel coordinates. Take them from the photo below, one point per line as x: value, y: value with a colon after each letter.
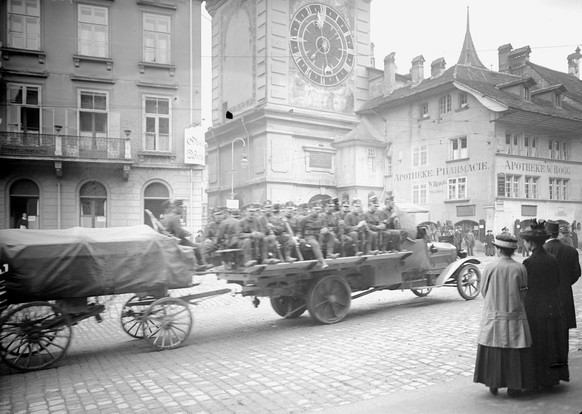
x: 52, y: 273
x: 327, y: 292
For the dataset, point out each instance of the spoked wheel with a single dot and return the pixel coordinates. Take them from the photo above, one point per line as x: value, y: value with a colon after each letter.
x: 289, y: 307
x: 421, y: 292
x: 329, y: 299
x: 468, y: 281
x: 132, y: 316
x: 34, y: 336
x: 167, y: 323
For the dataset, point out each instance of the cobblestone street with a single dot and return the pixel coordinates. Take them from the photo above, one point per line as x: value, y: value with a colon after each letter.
x: 239, y: 359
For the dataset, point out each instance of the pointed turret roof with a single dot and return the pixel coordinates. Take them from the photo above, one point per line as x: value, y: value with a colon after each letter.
x: 469, y: 54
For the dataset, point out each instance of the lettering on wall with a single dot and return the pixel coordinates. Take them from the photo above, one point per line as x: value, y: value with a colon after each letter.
x: 537, y: 167
x: 442, y: 171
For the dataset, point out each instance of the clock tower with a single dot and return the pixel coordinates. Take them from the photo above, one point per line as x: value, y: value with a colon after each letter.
x: 287, y: 76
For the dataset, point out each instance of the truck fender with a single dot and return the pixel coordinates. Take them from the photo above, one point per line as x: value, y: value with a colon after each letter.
x: 452, y: 268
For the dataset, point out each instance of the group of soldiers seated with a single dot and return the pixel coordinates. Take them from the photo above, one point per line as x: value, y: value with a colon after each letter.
x: 270, y: 233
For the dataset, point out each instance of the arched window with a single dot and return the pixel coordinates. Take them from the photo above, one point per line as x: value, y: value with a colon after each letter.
x: 24, y: 198
x: 93, y: 201
x: 154, y: 196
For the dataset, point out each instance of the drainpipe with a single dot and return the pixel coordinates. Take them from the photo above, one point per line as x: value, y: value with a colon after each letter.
x: 58, y: 204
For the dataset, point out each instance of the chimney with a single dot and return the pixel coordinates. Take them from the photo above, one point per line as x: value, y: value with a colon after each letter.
x: 437, y: 67
x: 574, y: 63
x: 417, y: 69
x: 517, y: 58
x: 389, y: 74
x: 504, y: 57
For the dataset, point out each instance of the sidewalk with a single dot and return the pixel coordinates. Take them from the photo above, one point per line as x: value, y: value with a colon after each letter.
x: 462, y: 395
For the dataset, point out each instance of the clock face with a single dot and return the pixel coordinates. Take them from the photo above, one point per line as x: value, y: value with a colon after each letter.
x: 321, y: 44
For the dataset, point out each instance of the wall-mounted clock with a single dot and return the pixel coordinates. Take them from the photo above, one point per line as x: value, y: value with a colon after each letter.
x: 321, y: 44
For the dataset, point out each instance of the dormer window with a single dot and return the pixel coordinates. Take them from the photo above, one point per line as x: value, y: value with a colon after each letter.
x: 526, y: 93
x: 558, y: 99
x: 463, y: 103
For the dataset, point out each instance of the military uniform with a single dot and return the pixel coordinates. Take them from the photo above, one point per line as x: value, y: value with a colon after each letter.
x: 311, y: 226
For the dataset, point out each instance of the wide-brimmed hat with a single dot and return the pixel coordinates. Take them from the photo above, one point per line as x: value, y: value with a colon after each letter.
x: 506, y: 241
x: 536, y: 232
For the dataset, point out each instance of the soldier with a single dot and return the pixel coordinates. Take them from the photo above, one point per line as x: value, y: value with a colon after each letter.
x: 251, y: 236
x: 228, y: 231
x: 292, y: 228
x: 311, y: 226
x: 210, y: 242
x: 285, y: 241
x: 273, y: 229
x: 173, y: 226
x: 328, y: 233
x: 357, y: 227
x: 375, y: 225
x: 347, y: 246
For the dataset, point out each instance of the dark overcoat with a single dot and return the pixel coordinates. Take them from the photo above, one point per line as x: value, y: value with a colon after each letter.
x: 569, y: 264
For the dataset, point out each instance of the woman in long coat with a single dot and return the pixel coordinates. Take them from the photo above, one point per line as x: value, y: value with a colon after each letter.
x: 504, y: 356
x: 544, y: 313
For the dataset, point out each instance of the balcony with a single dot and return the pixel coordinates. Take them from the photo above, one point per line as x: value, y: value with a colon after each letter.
x: 70, y: 148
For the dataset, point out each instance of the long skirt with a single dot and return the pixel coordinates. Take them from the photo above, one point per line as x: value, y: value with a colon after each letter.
x: 550, y: 351
x: 504, y: 367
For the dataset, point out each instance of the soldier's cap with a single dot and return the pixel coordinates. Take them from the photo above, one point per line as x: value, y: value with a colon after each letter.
x: 564, y: 229
x: 505, y: 228
x: 178, y: 203
x: 489, y: 231
x: 235, y: 212
x: 373, y: 199
x: 290, y: 205
x: 251, y: 207
x: 219, y: 210
x: 356, y: 201
x: 345, y: 203
x: 332, y: 201
x: 166, y: 204
x: 267, y: 203
x: 302, y: 205
x: 316, y: 203
x: 276, y: 207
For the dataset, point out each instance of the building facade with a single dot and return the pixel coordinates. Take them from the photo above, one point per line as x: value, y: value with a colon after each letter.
x: 290, y: 74
x: 481, y: 148
x: 100, y: 103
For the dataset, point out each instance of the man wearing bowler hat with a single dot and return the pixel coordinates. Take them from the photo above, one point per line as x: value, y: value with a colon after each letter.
x: 569, y: 264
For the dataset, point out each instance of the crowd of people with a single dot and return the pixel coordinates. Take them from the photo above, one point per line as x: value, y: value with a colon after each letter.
x: 269, y: 233
x: 528, y: 311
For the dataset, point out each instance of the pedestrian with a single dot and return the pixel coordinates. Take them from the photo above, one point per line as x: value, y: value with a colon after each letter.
x: 566, y: 236
x: 22, y: 222
x: 470, y: 242
x: 458, y: 238
x: 489, y: 239
x: 569, y: 264
x: 542, y: 306
x: 505, y: 230
x: 504, y: 357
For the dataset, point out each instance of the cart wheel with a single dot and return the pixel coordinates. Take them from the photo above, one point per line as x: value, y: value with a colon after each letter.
x: 468, y: 281
x: 329, y: 299
x: 421, y: 292
x: 132, y: 316
x: 289, y: 307
x: 34, y: 336
x: 167, y: 323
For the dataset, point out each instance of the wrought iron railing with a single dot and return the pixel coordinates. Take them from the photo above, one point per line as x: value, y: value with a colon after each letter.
x: 29, y: 144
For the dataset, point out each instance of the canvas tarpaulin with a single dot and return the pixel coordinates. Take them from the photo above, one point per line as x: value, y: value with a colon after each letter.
x: 82, y: 262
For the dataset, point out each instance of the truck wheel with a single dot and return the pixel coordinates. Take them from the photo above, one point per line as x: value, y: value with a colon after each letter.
x: 289, y: 307
x: 468, y: 281
x: 421, y: 292
x: 329, y: 299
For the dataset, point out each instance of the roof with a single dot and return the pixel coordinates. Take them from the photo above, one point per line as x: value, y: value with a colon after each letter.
x: 364, y: 132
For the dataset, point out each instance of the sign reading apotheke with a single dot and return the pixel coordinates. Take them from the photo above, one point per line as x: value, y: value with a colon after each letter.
x: 534, y: 167
x: 443, y: 171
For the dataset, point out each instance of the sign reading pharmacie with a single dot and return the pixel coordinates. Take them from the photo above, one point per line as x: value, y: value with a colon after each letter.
x: 443, y: 171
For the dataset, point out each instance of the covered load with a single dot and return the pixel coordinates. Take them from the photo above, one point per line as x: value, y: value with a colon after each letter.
x: 82, y: 262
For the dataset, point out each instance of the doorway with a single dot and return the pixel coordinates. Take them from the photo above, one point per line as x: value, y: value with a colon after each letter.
x: 24, y: 198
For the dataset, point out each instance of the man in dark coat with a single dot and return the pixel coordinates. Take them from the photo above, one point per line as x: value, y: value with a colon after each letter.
x: 569, y: 264
x: 489, y: 238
